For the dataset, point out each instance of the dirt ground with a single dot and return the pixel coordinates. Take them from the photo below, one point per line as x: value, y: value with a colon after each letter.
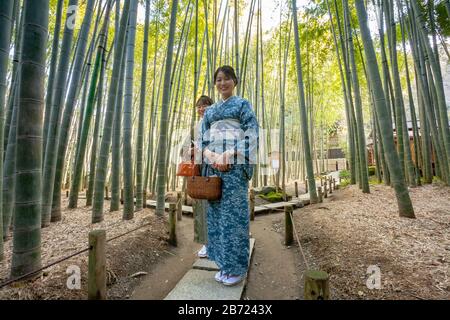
x: 351, y: 231
x: 344, y: 235
x: 276, y: 270
x: 126, y: 256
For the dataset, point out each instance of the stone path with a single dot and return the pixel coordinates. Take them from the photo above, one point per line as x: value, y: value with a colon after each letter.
x: 199, y: 284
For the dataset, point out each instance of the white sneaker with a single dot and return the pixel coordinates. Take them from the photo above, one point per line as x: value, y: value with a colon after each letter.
x: 202, y: 253
x: 232, y: 280
x: 219, y: 277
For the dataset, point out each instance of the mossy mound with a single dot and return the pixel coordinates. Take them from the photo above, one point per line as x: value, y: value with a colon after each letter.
x: 272, y: 197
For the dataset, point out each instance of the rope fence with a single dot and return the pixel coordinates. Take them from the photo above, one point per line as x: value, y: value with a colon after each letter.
x: 29, y: 274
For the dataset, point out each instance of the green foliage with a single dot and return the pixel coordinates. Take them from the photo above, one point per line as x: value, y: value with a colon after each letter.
x: 344, y: 174
x: 373, y: 180
x: 344, y: 183
x: 272, y: 197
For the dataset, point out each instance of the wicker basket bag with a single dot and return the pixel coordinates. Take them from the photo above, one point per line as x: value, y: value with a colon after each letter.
x: 207, y: 188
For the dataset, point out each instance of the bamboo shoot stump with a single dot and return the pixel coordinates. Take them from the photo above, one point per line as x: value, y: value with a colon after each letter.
x: 316, y: 285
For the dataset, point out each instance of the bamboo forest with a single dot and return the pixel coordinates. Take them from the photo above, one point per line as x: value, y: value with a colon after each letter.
x: 114, y: 185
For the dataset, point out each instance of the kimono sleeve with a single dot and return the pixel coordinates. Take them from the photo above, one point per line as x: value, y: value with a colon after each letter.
x: 248, y: 146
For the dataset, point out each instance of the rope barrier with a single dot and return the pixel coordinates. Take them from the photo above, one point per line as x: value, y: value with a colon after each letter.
x: 8, y: 282
x: 298, y: 241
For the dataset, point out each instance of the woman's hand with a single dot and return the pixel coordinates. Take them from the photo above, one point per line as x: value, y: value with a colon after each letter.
x: 222, y: 167
x: 211, y: 156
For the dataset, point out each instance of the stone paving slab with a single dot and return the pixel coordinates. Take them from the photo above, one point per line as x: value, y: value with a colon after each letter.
x: 152, y: 204
x: 206, y: 264
x: 199, y: 284
x: 260, y: 209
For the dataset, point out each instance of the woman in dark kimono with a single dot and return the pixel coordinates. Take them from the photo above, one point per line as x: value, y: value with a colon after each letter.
x: 230, y: 137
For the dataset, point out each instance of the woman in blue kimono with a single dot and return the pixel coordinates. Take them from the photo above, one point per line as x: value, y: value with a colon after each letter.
x: 229, y: 144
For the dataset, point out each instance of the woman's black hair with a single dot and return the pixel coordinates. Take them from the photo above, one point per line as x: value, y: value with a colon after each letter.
x: 228, y: 71
x: 204, y: 100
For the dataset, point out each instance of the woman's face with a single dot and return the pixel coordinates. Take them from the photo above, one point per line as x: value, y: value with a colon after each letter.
x: 201, y: 110
x: 225, y: 85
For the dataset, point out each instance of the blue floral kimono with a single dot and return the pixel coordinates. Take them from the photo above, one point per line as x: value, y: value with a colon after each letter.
x: 230, y: 125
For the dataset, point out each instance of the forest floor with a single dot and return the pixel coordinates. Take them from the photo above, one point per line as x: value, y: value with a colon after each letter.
x: 351, y: 231
x: 126, y: 256
x: 344, y: 235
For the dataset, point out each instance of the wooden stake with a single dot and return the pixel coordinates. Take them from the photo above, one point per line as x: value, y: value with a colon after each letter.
x: 97, y: 265
x: 67, y: 193
x: 121, y: 196
x: 316, y: 285
x: 179, y: 207
x: 144, y: 196
x: 172, y: 224
x: 288, y: 229
x: 296, y: 189
x: 252, y: 204
x: 325, y: 192
x: 331, y: 185
x: 319, y: 194
x: 306, y: 185
x: 106, y: 193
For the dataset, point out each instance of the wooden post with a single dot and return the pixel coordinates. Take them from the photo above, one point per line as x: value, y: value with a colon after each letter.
x: 172, y: 224
x: 316, y: 285
x: 144, y: 196
x: 331, y: 185
x: 306, y: 185
x: 325, y: 192
x: 97, y: 265
x: 288, y: 229
x: 321, y: 181
x: 185, y: 198
x: 340, y: 180
x: 67, y: 193
x: 319, y: 194
x: 334, y: 183
x: 337, y: 166
x: 179, y: 207
x: 121, y: 196
x: 296, y: 189
x: 106, y: 193
x: 252, y: 204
